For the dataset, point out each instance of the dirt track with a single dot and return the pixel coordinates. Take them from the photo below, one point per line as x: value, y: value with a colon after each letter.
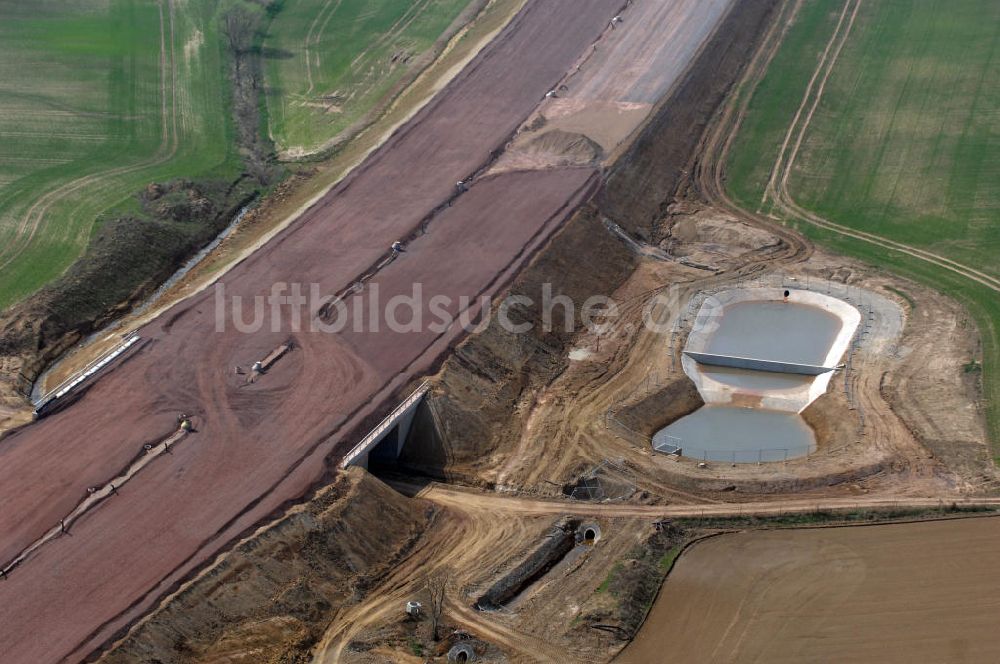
x: 475, y: 533
x: 470, y: 501
x: 259, y: 446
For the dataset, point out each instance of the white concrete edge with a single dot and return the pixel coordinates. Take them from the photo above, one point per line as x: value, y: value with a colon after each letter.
x: 795, y: 399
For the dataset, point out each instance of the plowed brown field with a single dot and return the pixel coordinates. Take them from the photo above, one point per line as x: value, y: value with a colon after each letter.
x: 911, y: 592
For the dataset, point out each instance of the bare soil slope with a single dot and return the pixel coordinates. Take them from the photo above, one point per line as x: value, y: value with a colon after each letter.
x: 270, y: 598
x: 261, y: 446
x: 509, y: 370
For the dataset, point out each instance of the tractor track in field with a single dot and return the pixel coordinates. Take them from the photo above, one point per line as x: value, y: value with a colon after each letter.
x: 707, y: 169
x: 315, y: 40
x: 397, y: 28
x: 34, y: 218
x: 821, y: 74
x: 778, y: 190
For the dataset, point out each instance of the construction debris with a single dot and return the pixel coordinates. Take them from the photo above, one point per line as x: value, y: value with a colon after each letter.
x: 262, y: 366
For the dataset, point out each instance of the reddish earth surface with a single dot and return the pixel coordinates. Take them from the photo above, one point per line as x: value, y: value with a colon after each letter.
x: 258, y: 446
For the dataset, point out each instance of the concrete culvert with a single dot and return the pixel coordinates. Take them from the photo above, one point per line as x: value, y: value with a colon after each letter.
x: 588, y: 533
x: 462, y: 652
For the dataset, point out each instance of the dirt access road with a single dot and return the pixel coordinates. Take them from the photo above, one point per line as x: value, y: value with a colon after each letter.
x: 469, y: 499
x: 912, y: 592
x: 476, y: 532
x: 258, y: 446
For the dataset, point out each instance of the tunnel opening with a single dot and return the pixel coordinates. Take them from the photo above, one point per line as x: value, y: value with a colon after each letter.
x: 386, y: 453
x: 588, y: 534
x: 462, y: 652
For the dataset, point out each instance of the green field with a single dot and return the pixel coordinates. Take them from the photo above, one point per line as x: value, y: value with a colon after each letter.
x: 904, y: 143
x: 328, y: 63
x: 98, y: 98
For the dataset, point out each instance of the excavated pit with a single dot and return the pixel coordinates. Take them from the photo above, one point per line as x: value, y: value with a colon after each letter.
x: 758, y: 357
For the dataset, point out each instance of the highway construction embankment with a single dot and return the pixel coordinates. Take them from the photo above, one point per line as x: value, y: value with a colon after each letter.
x: 274, y: 594
x: 500, y: 395
x: 259, y: 445
x: 584, y: 259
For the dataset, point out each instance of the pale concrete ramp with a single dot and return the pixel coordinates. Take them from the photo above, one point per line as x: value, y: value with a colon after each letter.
x: 49, y: 402
x: 773, y: 366
x: 385, y: 441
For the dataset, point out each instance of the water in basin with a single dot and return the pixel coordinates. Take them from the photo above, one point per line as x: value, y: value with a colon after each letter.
x: 738, y: 435
x: 778, y: 331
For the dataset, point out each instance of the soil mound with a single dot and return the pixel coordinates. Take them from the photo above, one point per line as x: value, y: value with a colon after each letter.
x: 553, y: 148
x: 271, y: 597
x: 572, y: 148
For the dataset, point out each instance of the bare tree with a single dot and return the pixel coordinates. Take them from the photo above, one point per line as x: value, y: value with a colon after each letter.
x: 240, y: 24
x: 437, y: 586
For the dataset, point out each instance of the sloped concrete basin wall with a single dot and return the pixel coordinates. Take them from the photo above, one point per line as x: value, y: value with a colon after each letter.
x: 757, y: 389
